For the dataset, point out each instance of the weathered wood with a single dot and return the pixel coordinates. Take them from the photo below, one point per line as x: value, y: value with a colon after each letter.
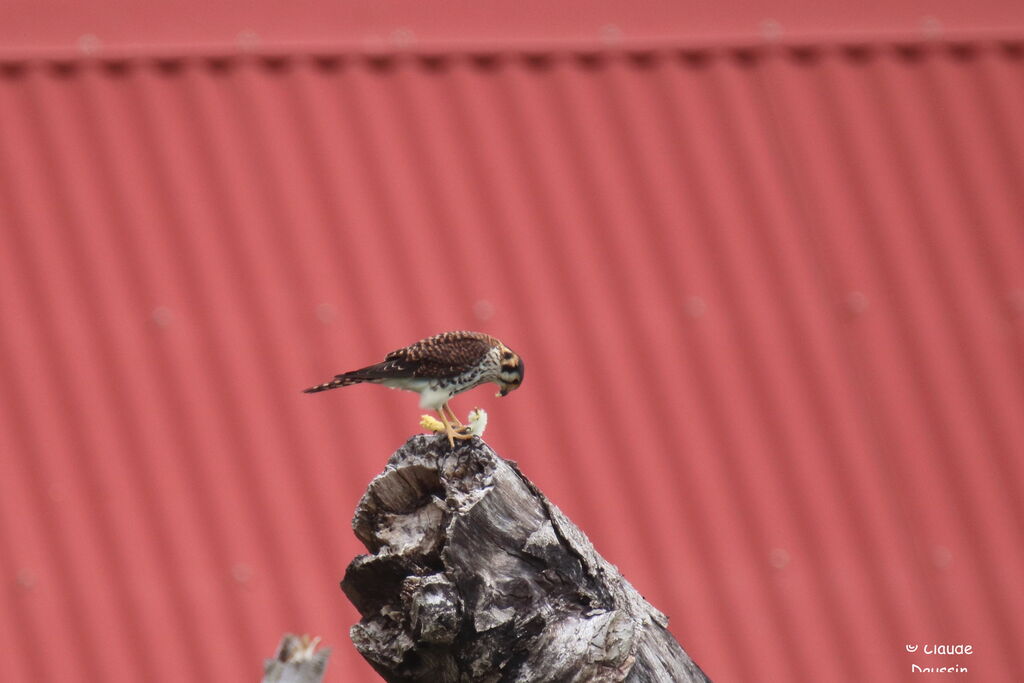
x: 476, y: 576
x: 296, y: 661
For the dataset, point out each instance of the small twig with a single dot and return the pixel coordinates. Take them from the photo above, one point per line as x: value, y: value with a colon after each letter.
x: 296, y: 661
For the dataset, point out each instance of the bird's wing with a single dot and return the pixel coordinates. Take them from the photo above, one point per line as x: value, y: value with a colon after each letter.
x: 445, y: 355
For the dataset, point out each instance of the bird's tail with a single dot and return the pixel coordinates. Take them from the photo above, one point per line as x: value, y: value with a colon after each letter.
x: 339, y: 381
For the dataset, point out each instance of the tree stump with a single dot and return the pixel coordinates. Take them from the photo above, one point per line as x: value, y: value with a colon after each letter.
x: 474, y: 575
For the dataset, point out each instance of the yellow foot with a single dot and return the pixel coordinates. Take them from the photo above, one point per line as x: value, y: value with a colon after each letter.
x: 461, y: 433
x: 452, y: 418
x: 452, y: 432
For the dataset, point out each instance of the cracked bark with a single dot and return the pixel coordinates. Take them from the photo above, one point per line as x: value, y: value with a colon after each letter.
x: 474, y: 575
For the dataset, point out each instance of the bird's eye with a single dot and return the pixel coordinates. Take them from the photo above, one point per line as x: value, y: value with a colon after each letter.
x: 507, y: 355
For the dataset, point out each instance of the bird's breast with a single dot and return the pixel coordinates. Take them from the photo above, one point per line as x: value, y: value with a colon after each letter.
x: 434, y: 396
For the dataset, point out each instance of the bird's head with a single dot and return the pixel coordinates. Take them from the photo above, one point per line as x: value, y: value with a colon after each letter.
x: 510, y: 371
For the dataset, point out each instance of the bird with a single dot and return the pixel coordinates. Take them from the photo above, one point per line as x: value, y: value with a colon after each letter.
x: 438, y: 368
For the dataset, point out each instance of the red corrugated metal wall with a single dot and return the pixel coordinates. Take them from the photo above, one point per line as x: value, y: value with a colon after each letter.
x: 771, y: 300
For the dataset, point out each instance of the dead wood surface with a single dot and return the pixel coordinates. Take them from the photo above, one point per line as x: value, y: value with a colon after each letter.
x: 475, y: 576
x: 296, y: 661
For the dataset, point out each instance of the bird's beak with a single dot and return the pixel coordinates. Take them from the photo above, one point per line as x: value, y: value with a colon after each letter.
x: 503, y: 392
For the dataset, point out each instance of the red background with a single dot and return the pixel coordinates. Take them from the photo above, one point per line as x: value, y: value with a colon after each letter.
x: 768, y: 280
x: 54, y: 23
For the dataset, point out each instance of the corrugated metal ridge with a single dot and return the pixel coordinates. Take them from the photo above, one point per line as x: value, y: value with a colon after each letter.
x: 825, y: 239
x: 772, y: 37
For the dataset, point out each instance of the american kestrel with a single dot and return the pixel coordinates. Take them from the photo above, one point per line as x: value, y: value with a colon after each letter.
x: 439, y: 367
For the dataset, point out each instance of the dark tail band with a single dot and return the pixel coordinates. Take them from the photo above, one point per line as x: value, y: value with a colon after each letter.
x: 339, y: 381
